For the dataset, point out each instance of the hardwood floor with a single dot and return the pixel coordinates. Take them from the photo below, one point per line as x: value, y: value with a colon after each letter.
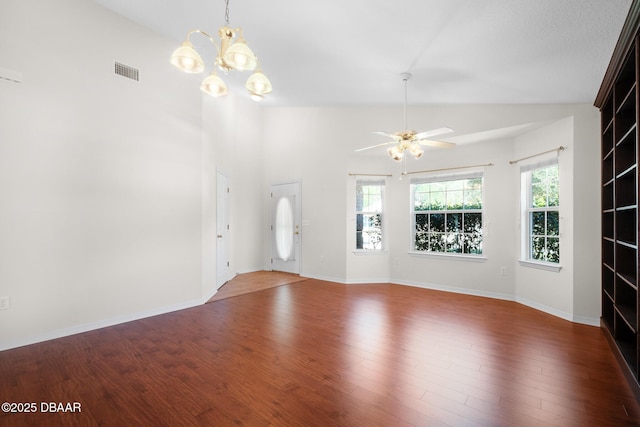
x: 251, y: 282
x: 315, y: 353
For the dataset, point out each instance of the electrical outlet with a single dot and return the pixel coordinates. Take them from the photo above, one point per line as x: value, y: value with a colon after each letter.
x: 5, y: 303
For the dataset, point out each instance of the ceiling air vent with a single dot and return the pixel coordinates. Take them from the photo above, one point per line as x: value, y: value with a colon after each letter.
x: 127, y: 71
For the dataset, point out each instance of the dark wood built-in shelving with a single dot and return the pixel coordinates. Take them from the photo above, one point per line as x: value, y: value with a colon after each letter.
x: 618, y: 101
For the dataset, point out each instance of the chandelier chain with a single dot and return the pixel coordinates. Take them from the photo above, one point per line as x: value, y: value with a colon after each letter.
x: 226, y: 12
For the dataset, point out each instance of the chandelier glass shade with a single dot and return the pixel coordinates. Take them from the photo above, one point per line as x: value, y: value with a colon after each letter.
x: 233, y: 53
x: 187, y: 59
x: 214, y: 86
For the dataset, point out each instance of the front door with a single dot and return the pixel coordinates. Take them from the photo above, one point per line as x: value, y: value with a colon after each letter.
x: 285, y: 227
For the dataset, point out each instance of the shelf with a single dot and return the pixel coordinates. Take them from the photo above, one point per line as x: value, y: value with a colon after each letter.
x: 607, y: 141
x: 626, y: 226
x: 626, y: 262
x: 625, y: 81
x: 608, y: 298
x: 608, y: 153
x: 626, y: 188
x: 628, y: 101
x: 628, y: 279
x: 608, y: 313
x: 628, y: 351
x: 629, y: 315
x: 607, y: 170
x: 626, y: 173
x: 627, y: 244
x: 607, y: 113
x: 608, y: 278
x: 627, y: 341
x: 625, y: 152
x: 607, y: 224
x: 608, y: 252
x: 607, y: 197
x: 628, y: 134
x: 608, y: 125
x: 620, y: 156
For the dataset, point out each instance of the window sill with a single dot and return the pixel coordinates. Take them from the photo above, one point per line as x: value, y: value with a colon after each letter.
x: 547, y: 266
x: 452, y: 257
x: 369, y: 252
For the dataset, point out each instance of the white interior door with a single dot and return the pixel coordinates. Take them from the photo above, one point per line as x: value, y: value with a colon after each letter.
x: 222, y: 230
x: 285, y: 227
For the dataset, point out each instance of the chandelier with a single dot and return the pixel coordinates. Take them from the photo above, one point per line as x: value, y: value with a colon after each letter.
x: 233, y: 54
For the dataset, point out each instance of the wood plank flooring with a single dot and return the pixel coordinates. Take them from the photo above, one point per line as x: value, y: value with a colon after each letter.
x: 315, y: 353
x: 251, y: 282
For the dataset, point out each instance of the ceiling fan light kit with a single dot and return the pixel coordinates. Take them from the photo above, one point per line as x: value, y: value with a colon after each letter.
x: 233, y: 53
x: 410, y: 140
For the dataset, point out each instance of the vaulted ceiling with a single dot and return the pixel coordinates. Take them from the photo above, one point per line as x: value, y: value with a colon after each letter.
x: 351, y: 52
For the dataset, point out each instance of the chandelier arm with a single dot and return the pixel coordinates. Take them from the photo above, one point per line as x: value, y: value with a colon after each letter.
x: 211, y: 39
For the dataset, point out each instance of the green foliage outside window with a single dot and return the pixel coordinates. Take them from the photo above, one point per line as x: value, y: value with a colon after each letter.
x: 448, y: 216
x: 368, y: 215
x: 544, y: 216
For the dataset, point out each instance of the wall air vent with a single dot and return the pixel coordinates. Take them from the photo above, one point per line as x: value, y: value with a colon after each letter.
x: 127, y: 71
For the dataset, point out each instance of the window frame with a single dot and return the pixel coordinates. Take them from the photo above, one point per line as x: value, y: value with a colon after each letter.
x: 441, y: 178
x: 370, y: 182
x: 527, y: 210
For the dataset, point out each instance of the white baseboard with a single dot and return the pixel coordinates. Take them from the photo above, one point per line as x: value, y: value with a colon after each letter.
x: 325, y: 278
x: 194, y: 303
x: 591, y: 321
x: 374, y: 280
x: 65, y: 332
x: 507, y: 297
x: 559, y: 313
x: 456, y: 290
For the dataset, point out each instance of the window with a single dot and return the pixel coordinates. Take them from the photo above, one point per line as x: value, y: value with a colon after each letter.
x: 369, y: 202
x: 541, y: 207
x: 447, y: 214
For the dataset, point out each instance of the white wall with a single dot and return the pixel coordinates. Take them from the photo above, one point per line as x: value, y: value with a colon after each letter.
x: 586, y: 221
x: 549, y: 290
x: 317, y: 145
x: 296, y: 142
x: 232, y: 145
x: 100, y: 176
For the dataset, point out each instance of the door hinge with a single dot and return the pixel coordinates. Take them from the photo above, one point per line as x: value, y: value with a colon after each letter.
x: 227, y: 226
x: 227, y: 189
x: 271, y: 260
x: 227, y: 263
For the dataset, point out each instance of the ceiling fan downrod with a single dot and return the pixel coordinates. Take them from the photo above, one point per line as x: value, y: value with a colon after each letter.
x: 405, y: 78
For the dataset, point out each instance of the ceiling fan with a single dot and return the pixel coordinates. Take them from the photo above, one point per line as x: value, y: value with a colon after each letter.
x: 410, y: 140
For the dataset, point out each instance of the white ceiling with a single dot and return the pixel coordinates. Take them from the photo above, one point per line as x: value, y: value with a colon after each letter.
x: 350, y: 52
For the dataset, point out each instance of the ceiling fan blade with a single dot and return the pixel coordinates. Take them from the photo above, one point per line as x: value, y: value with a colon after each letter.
x: 375, y: 146
x: 439, y: 144
x: 395, y: 137
x: 383, y: 134
x: 433, y: 132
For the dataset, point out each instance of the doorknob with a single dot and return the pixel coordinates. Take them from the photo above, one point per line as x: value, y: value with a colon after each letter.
x: 219, y: 236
